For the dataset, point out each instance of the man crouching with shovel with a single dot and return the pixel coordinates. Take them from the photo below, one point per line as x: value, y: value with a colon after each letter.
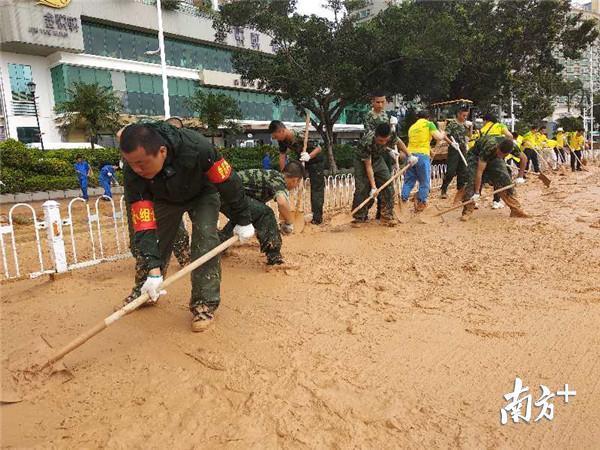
x: 371, y: 172
x: 170, y: 171
x: 486, y: 164
x: 261, y: 186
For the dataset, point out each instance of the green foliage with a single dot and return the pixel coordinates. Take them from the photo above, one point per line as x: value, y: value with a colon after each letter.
x: 215, y: 111
x: 90, y: 107
x: 570, y: 123
x: 25, y: 169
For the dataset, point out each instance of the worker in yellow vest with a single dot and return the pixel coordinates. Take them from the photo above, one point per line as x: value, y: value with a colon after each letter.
x: 559, y: 149
x: 529, y: 145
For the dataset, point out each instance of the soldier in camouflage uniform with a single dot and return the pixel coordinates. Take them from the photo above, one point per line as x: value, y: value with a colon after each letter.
x: 262, y: 186
x: 372, y: 119
x: 486, y: 164
x: 370, y: 172
x: 181, y: 251
x: 312, y: 158
x: 456, y: 129
x: 169, y: 172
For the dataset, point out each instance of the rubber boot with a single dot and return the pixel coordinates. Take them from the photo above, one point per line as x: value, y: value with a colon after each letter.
x: 515, y: 206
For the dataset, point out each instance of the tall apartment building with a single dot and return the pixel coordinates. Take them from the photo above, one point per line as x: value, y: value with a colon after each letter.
x: 372, y: 8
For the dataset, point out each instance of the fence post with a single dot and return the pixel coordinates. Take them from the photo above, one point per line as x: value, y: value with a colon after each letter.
x: 55, y: 235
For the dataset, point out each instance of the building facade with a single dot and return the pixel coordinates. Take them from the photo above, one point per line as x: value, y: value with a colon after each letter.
x: 55, y: 43
x: 371, y: 8
x: 586, y: 69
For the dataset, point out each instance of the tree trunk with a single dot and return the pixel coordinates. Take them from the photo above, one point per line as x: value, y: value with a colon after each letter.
x: 328, y: 138
x: 92, y: 140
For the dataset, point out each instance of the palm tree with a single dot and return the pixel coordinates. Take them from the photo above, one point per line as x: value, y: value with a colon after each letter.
x: 90, y: 107
x: 215, y: 111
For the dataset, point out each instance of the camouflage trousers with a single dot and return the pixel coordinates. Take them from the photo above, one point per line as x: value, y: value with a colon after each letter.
x: 455, y: 168
x: 317, y: 190
x: 173, y: 238
x: 362, y: 189
x: 265, y: 225
x: 496, y: 173
x: 181, y: 251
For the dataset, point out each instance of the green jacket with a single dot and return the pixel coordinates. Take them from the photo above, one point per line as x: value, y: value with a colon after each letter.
x: 263, y: 185
x: 183, y: 178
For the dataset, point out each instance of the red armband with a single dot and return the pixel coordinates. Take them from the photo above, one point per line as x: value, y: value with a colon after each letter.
x: 219, y: 172
x: 142, y: 215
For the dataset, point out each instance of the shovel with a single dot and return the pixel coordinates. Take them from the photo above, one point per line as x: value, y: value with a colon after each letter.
x: 101, y: 326
x: 299, y: 219
x: 342, y: 219
x: 457, y: 148
x: 577, y: 158
x: 543, y: 178
x: 460, y: 205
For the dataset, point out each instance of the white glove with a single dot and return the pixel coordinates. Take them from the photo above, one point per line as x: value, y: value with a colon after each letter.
x: 304, y: 157
x: 412, y: 160
x: 468, y: 123
x: 244, y: 232
x: 287, y: 228
x: 373, y: 192
x: 475, y: 197
x: 109, y: 174
x: 520, y: 180
x: 152, y: 287
x: 394, y: 153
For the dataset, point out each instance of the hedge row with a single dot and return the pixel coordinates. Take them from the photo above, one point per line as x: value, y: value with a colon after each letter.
x: 25, y: 170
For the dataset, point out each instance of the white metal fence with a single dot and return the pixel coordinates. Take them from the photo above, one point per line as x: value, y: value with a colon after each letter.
x: 82, y: 234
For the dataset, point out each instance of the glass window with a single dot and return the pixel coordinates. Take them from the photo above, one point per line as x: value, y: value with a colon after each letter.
x: 19, y: 75
x: 27, y: 135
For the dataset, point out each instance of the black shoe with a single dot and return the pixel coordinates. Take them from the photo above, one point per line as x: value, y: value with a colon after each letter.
x: 275, y: 259
x: 316, y: 221
x: 444, y: 195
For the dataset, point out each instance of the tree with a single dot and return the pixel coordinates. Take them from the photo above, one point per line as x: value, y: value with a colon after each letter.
x: 324, y: 65
x: 506, y: 42
x: 90, y: 107
x: 573, y: 91
x: 215, y: 111
x: 570, y: 123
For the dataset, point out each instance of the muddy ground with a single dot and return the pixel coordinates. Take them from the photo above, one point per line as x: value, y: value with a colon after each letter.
x: 382, y: 338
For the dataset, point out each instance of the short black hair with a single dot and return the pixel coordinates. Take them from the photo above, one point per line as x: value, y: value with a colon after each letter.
x: 79, y: 157
x: 276, y: 125
x: 138, y: 135
x: 293, y: 169
x: 515, y: 134
x: 377, y: 94
x: 383, y: 130
x: 506, y: 146
x: 175, y: 121
x: 423, y: 114
x: 542, y: 126
x: 463, y: 107
x: 490, y: 117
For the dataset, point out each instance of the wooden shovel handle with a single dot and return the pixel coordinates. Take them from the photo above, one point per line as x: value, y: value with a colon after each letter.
x: 381, y: 188
x: 304, y: 147
x: 577, y: 158
x: 505, y: 188
x: 84, y: 337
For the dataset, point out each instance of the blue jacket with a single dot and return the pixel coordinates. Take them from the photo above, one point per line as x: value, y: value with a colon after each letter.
x: 106, y: 173
x: 82, y: 168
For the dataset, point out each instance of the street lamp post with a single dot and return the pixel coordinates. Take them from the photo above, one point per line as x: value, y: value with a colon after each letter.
x: 31, y: 88
x: 163, y: 60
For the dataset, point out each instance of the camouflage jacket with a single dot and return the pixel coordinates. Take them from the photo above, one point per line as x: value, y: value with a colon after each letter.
x: 372, y: 120
x: 459, y: 132
x: 485, y: 148
x: 297, y: 144
x: 368, y: 149
x: 191, y: 159
x: 263, y: 185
